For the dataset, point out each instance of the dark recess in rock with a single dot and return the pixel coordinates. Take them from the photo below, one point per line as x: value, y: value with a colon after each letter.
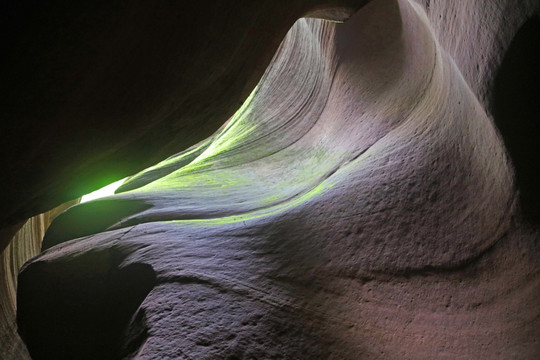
x: 100, y: 302
x: 88, y: 220
x: 517, y: 113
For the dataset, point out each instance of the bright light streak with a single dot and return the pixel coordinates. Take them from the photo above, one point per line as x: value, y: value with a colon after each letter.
x: 104, y: 191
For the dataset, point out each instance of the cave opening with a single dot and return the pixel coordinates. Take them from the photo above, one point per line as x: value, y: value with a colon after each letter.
x: 88, y: 321
x: 102, y: 192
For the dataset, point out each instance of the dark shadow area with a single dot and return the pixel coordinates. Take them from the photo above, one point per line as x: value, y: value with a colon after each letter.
x: 89, y: 218
x: 517, y: 113
x: 80, y: 309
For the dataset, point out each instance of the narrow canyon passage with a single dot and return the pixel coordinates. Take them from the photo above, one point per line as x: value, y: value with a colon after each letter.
x: 365, y: 201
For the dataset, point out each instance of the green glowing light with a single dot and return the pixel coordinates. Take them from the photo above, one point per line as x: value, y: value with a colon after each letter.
x: 319, y: 190
x: 104, y: 191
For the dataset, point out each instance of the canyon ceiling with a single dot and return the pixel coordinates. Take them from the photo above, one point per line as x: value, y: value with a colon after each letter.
x: 307, y: 179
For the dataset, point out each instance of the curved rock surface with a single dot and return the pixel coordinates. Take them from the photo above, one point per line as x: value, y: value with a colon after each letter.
x: 98, y: 90
x: 25, y: 244
x: 361, y: 204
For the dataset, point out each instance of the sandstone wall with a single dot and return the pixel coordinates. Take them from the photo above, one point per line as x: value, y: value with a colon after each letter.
x: 371, y: 198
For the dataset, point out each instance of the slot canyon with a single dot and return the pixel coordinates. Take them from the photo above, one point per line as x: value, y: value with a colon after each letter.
x: 305, y: 179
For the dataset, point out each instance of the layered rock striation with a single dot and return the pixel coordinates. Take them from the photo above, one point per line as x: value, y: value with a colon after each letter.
x: 360, y: 204
x: 371, y: 196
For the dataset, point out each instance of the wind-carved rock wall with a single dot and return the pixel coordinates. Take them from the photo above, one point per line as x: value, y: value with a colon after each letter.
x: 25, y: 244
x: 361, y: 204
x: 110, y: 88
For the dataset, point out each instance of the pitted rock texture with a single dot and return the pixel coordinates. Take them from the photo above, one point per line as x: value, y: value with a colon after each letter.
x: 361, y: 204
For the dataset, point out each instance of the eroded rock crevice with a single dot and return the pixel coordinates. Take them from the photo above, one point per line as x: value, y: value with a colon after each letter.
x: 517, y: 112
x: 81, y: 308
